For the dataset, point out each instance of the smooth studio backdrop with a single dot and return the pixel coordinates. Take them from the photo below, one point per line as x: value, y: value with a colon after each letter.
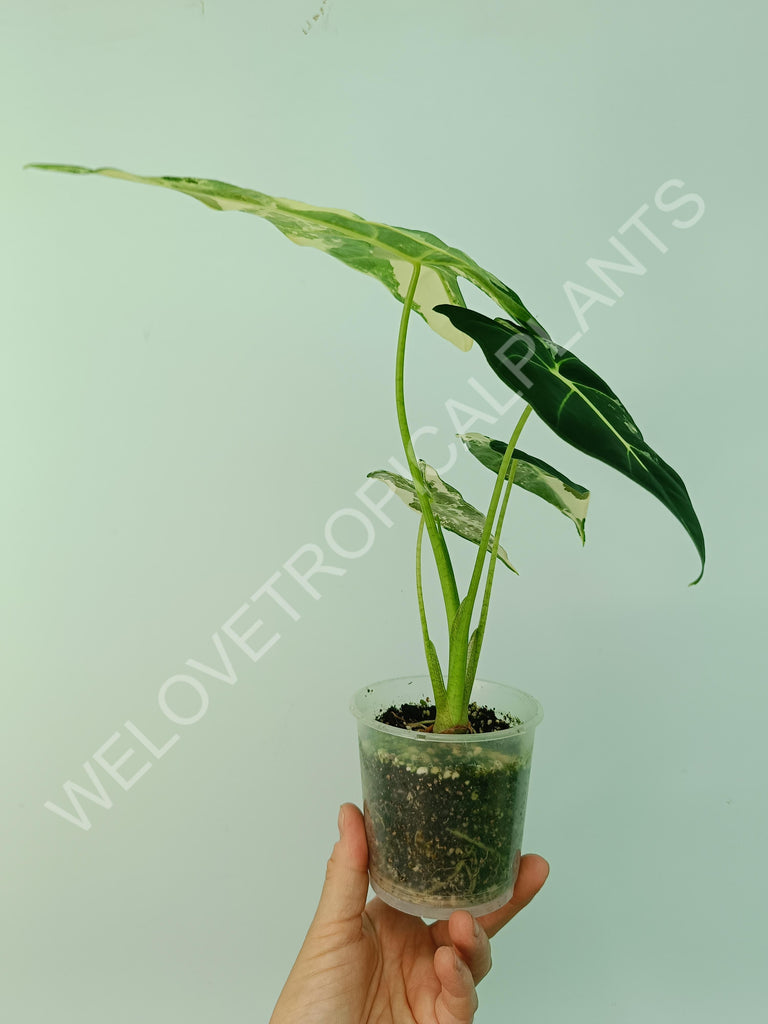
x: 188, y: 400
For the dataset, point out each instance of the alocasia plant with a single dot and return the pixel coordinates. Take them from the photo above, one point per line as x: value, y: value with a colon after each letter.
x: 422, y: 273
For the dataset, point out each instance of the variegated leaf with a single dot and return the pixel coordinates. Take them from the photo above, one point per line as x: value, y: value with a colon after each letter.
x: 385, y: 252
x: 533, y: 475
x: 448, y: 506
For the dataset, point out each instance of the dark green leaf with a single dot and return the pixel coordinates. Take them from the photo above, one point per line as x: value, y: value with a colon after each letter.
x: 579, y: 406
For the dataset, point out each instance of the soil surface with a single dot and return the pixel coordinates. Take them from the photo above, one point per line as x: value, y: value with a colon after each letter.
x: 420, y: 717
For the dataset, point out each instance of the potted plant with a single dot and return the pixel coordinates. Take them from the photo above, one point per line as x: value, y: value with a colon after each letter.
x: 445, y: 758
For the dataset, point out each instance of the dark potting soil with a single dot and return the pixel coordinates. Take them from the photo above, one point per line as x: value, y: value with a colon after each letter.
x: 420, y: 717
x: 444, y: 820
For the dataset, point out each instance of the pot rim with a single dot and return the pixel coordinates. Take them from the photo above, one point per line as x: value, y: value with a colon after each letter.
x: 528, y: 724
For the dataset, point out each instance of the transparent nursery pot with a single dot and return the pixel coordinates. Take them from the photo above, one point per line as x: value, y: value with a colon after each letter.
x: 444, y: 813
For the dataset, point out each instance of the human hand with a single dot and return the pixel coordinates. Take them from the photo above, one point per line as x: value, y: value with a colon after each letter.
x: 361, y: 964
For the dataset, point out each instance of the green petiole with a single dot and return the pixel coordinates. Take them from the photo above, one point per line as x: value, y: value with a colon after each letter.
x: 436, y: 539
x: 459, y: 641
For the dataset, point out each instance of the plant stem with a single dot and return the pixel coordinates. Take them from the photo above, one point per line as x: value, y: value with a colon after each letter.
x: 476, y: 642
x: 436, y: 539
x: 433, y: 662
x: 457, y: 663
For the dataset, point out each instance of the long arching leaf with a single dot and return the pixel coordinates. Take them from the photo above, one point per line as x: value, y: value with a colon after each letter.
x: 385, y: 252
x: 579, y: 406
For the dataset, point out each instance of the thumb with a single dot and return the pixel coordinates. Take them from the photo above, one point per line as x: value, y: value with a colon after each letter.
x: 345, y: 891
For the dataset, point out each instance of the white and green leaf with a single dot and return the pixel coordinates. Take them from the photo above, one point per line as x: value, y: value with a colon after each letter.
x: 533, y: 475
x: 448, y: 506
x: 383, y: 251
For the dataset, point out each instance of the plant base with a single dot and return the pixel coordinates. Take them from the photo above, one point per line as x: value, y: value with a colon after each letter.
x: 444, y: 826
x: 444, y: 813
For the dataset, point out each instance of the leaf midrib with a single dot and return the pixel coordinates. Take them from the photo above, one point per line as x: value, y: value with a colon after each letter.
x: 279, y: 205
x: 631, y: 450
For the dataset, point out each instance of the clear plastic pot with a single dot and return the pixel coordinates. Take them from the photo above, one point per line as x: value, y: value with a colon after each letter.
x: 444, y: 813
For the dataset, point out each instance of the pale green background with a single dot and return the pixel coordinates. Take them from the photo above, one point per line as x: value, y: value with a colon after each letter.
x: 186, y: 398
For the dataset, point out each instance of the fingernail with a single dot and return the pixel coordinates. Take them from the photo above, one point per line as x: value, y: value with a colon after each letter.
x: 341, y: 821
x: 476, y: 928
x: 457, y: 962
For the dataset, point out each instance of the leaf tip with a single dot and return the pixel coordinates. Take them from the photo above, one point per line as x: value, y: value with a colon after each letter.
x: 698, y: 578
